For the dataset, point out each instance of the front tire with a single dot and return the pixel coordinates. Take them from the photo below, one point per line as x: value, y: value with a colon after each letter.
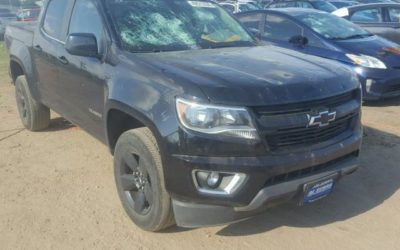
x: 34, y: 115
x: 140, y: 180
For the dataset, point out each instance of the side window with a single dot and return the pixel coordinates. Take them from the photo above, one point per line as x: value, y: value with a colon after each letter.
x: 367, y: 16
x: 86, y: 19
x: 306, y: 5
x: 280, y: 28
x: 229, y: 8
x: 54, y: 18
x: 394, y: 14
x: 313, y: 41
x: 282, y: 5
x: 251, y: 21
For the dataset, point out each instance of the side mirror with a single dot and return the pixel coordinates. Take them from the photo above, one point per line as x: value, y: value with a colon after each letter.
x: 82, y: 44
x: 299, y: 40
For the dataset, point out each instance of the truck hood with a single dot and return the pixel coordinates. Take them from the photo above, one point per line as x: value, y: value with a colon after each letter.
x: 255, y: 76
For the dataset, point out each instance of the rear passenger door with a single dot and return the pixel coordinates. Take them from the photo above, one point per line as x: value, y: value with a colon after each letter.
x: 46, y: 43
x: 84, y: 78
x: 371, y: 19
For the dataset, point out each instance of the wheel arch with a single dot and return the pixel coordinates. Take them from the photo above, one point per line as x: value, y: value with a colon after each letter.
x: 121, y: 118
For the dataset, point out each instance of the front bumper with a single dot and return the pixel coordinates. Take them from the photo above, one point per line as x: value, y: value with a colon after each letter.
x: 194, y: 209
x: 379, y: 83
x: 189, y: 214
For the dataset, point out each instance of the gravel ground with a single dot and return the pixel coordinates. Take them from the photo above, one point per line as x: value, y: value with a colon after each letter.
x: 57, y: 192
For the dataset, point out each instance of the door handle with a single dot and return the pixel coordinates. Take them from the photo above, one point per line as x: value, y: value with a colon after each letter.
x: 63, y: 60
x: 37, y: 48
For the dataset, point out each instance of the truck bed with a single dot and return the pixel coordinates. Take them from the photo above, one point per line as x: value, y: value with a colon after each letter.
x: 22, y: 32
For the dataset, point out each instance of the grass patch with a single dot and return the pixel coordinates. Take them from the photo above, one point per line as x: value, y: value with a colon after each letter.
x: 4, y: 62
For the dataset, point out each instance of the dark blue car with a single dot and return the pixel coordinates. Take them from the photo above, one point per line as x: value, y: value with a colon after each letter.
x: 375, y: 59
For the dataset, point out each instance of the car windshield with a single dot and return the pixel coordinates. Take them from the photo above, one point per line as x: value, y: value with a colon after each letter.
x: 333, y: 27
x: 169, y: 25
x: 324, y: 6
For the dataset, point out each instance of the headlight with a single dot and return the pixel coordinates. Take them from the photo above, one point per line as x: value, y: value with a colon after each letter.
x: 213, y: 119
x: 366, y: 61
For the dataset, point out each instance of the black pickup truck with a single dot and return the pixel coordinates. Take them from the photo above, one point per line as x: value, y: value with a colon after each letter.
x: 206, y: 126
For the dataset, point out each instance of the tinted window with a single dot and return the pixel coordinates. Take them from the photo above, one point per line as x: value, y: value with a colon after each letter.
x: 228, y: 7
x: 367, y: 16
x: 54, y: 18
x: 306, y: 5
x: 394, y: 14
x: 324, y: 6
x: 283, y: 5
x: 247, y: 7
x: 280, y: 28
x: 86, y: 19
x: 251, y: 21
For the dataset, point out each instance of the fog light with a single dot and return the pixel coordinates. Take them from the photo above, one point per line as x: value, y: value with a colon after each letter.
x: 368, y: 85
x: 214, y: 182
x: 213, y: 179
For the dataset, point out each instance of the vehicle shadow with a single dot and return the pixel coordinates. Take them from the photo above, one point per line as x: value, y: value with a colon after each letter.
x: 58, y: 124
x: 395, y: 101
x: 375, y: 181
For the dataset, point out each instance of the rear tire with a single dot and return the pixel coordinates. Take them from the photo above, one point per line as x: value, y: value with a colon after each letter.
x: 34, y: 115
x: 140, y: 180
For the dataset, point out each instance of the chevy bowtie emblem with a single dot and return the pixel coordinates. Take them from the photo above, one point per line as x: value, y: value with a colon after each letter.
x: 322, y: 119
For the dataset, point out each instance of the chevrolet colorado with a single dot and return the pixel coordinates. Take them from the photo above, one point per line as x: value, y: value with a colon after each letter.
x: 206, y: 127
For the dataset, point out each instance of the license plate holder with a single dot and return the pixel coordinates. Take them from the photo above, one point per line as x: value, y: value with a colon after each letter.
x: 318, y: 189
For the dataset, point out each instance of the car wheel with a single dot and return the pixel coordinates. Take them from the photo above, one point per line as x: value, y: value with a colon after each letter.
x: 140, y: 180
x: 34, y: 115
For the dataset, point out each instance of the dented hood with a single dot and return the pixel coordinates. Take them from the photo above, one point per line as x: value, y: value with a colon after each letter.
x: 253, y: 76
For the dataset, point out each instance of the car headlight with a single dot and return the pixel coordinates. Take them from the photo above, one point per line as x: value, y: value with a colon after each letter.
x: 366, y: 61
x: 214, y: 119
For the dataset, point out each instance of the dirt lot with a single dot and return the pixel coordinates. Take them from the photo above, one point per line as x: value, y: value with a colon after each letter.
x: 57, y: 192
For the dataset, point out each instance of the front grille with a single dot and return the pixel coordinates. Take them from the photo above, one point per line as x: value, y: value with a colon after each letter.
x: 285, y: 177
x: 393, y: 88
x: 308, y: 135
x: 285, y: 127
x: 305, y: 107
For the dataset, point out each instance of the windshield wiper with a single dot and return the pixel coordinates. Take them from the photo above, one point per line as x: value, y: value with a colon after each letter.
x: 216, y: 45
x: 352, y: 36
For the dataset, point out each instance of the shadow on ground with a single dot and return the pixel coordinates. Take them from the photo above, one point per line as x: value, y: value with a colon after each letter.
x: 376, y: 180
x: 58, y: 124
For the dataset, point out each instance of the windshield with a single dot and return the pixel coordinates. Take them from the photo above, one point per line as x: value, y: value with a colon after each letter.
x: 323, y: 5
x: 333, y: 27
x: 167, y: 25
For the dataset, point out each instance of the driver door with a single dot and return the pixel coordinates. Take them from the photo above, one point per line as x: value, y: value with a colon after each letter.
x: 85, y: 78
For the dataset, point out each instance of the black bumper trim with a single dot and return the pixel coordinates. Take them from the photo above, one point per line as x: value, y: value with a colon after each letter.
x: 191, y: 215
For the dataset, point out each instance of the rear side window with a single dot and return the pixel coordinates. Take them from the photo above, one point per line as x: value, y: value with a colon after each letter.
x: 53, y: 21
x: 394, y: 15
x: 367, y: 16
